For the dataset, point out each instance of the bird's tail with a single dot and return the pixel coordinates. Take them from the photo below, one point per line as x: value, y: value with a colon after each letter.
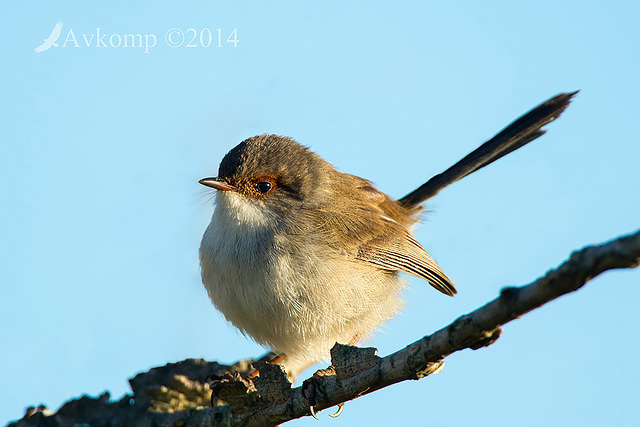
x: 519, y: 133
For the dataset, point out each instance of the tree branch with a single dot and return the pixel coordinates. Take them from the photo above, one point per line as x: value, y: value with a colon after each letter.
x: 172, y: 396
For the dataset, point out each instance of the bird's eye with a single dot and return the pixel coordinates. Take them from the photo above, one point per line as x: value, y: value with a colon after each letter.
x: 264, y: 187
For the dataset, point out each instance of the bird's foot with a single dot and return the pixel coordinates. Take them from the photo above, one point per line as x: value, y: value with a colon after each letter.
x: 309, y: 390
x: 216, y: 382
x: 236, y: 384
x: 274, y: 360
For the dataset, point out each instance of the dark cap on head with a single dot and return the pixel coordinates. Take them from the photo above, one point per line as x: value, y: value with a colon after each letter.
x: 297, y: 169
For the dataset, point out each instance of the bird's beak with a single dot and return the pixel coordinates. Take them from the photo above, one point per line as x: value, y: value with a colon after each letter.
x: 217, y: 183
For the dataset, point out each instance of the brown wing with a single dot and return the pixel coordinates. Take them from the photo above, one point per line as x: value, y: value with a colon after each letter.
x: 378, y: 234
x: 398, y: 250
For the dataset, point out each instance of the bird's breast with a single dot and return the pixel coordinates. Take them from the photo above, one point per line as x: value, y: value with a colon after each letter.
x: 294, y: 294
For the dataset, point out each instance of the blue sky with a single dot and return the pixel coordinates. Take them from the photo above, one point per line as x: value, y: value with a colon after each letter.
x: 102, y: 215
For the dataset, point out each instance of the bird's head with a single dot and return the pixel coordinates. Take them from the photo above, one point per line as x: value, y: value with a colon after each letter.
x: 273, y: 174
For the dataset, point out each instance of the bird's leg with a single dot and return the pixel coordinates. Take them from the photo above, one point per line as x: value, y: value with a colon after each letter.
x: 309, y: 385
x: 216, y: 381
x: 355, y: 340
x: 276, y: 360
x: 309, y: 389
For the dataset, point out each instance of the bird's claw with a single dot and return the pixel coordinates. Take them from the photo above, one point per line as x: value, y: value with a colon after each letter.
x: 309, y: 393
x: 215, y: 389
x: 313, y: 412
x: 335, y: 415
x: 215, y: 382
x: 339, y: 411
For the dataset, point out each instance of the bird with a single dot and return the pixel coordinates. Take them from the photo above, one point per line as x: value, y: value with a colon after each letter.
x: 299, y: 256
x: 51, y: 40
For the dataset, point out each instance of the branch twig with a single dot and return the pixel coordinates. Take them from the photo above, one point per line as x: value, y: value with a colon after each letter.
x: 358, y: 370
x: 474, y: 330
